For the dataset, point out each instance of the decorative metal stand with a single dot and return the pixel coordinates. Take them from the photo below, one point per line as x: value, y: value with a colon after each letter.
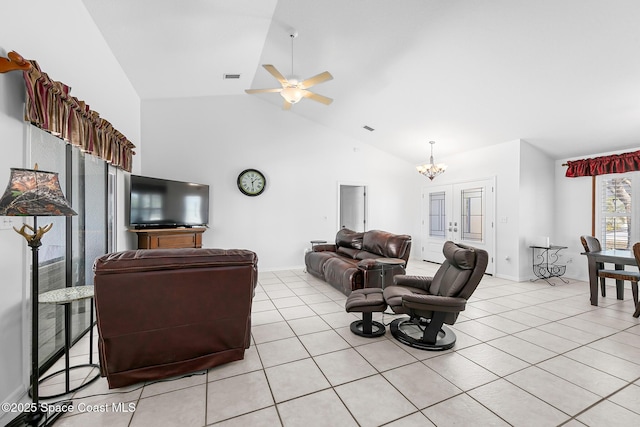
x: 65, y: 297
x: 545, y: 263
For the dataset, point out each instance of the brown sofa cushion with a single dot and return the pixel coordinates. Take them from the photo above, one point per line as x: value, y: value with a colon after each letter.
x: 386, y: 244
x: 348, y: 252
x: 349, y: 239
x: 368, y: 255
x: 344, y: 273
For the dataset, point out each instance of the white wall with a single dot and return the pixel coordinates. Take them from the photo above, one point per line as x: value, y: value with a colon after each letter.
x: 536, y: 197
x: 62, y: 38
x: 212, y: 139
x: 12, y: 254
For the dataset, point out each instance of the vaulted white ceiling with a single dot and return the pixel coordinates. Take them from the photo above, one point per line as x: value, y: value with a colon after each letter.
x: 563, y: 75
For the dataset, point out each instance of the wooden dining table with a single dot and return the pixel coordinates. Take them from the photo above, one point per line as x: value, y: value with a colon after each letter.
x: 618, y: 257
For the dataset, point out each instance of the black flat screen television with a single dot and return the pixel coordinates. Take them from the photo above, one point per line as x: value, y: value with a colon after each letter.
x: 163, y: 203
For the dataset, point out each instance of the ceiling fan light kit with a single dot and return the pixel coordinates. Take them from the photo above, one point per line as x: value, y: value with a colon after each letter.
x: 291, y: 94
x: 293, y: 90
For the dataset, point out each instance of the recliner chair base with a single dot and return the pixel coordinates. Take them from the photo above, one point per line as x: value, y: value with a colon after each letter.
x: 416, y: 335
x: 368, y: 328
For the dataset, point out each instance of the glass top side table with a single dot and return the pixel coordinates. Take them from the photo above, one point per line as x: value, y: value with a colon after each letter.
x: 390, y: 263
x: 66, y: 296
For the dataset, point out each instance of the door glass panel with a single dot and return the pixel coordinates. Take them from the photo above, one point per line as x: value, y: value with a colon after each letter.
x: 66, y: 255
x: 472, y: 214
x: 95, y: 237
x: 437, y: 214
x: 89, y: 232
x: 49, y: 153
x: 111, y: 208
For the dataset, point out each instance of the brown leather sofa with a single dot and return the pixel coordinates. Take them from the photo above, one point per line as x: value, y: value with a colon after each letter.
x: 350, y: 263
x: 168, y: 312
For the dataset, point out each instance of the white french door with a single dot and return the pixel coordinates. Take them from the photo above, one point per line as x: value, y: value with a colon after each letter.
x: 463, y: 213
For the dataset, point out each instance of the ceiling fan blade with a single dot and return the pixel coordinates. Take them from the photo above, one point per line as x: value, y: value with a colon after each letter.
x: 319, y: 98
x: 275, y: 73
x: 322, y: 77
x: 287, y: 105
x: 263, y: 90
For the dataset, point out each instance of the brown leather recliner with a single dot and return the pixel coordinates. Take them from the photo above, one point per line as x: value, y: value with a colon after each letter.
x: 168, y: 312
x: 432, y: 301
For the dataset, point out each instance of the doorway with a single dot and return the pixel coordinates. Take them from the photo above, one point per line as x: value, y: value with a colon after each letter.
x: 463, y: 213
x: 352, y: 207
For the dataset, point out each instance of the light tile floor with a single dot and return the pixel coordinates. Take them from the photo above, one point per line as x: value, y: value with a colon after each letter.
x: 528, y: 354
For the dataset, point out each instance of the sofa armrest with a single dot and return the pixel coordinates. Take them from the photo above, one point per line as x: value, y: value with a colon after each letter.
x: 368, y: 264
x: 434, y: 303
x: 325, y: 248
x: 420, y: 282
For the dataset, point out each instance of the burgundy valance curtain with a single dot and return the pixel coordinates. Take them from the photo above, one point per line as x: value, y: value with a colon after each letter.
x: 50, y: 106
x: 616, y: 163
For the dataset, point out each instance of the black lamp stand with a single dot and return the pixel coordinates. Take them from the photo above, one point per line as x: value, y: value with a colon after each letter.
x: 36, y: 416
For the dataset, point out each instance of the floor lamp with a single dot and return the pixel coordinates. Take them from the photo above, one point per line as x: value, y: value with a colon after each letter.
x: 32, y: 192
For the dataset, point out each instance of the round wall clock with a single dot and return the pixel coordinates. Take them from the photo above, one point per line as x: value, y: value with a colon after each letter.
x: 251, y: 182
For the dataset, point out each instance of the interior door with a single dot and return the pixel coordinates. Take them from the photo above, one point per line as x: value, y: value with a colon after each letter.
x: 462, y: 213
x: 353, y: 207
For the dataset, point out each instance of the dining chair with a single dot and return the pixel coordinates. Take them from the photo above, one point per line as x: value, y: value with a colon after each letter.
x: 592, y: 244
x: 636, y: 253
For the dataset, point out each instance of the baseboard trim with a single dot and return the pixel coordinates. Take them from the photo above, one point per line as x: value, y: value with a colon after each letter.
x: 18, y: 396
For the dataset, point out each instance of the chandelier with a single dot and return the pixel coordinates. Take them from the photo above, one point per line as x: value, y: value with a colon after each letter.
x: 431, y: 170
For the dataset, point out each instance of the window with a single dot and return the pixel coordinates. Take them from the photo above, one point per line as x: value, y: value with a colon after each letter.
x: 617, y: 211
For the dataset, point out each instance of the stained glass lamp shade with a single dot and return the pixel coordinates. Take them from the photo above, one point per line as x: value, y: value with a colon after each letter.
x: 33, y: 192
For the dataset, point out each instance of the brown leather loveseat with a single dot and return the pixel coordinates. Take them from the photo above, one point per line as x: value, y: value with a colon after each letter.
x: 350, y: 263
x: 168, y: 312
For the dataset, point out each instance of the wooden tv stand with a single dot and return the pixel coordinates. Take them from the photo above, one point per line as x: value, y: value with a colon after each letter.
x: 170, y: 238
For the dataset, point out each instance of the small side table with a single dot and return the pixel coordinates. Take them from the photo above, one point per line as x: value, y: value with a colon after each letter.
x: 317, y: 242
x: 66, y: 296
x: 390, y: 263
x: 545, y: 263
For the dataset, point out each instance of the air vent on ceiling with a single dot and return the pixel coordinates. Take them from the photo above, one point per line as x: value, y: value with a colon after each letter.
x: 369, y: 128
x: 231, y: 76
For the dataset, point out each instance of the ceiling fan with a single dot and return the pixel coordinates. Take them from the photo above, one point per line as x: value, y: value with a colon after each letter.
x: 292, y: 89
